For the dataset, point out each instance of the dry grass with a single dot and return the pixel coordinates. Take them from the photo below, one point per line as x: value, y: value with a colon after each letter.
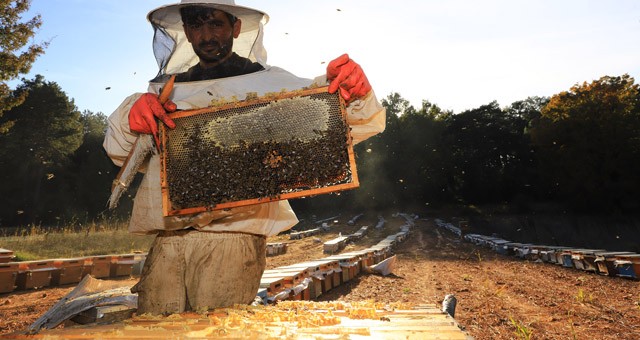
x: 96, y: 238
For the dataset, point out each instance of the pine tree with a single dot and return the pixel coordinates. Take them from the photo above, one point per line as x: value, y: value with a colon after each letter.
x: 16, y: 55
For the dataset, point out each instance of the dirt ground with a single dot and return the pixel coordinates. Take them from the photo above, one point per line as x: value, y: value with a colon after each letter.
x: 498, y: 297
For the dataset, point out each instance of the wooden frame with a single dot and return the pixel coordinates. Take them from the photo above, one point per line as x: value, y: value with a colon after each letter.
x: 168, y: 206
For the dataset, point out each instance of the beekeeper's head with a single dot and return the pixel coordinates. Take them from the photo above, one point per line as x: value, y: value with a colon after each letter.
x: 201, y: 30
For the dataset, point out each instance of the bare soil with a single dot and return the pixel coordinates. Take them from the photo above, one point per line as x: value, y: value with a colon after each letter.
x: 498, y: 297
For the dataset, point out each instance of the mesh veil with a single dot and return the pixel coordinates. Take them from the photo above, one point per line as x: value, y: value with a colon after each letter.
x: 174, y: 53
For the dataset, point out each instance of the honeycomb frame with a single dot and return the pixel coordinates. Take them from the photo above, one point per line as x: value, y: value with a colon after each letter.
x: 246, y: 152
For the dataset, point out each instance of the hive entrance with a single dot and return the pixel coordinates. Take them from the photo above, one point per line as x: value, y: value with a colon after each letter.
x: 288, y: 145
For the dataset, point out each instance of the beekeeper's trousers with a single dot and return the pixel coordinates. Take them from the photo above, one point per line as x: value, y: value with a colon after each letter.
x: 194, y: 270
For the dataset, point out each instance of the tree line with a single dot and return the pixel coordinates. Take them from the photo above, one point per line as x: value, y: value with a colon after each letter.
x: 576, y: 151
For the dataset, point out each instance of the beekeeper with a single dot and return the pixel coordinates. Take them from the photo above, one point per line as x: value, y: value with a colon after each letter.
x: 214, y: 259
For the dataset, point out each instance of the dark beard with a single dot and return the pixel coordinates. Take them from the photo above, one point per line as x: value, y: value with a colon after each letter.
x: 223, y: 51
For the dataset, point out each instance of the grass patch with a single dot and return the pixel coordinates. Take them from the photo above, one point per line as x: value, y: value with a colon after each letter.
x: 96, y: 238
x: 583, y: 297
x: 522, y: 332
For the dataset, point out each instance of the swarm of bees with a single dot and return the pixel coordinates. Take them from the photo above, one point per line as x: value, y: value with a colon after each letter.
x: 209, y: 172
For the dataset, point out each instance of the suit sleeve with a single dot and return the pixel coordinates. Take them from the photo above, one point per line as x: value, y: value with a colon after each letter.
x: 118, y: 138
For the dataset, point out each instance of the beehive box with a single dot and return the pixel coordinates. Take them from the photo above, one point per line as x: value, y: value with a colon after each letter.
x: 34, y: 274
x: 8, y: 275
x: 628, y: 265
x: 335, y: 245
x: 583, y: 259
x: 605, y: 262
x: 350, y: 264
x: 274, y: 249
x: 290, y: 277
x: 312, y: 271
x: 101, y: 266
x: 88, y: 266
x: 69, y: 270
x: 6, y: 255
x: 285, y: 145
x: 273, y: 285
x: 122, y: 265
x: 332, y: 271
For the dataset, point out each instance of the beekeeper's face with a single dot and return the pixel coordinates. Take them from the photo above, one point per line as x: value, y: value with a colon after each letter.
x: 211, y: 33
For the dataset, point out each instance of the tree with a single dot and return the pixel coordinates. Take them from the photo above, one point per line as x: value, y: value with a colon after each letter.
x: 524, y: 177
x: 588, y: 147
x: 424, y: 158
x: 487, y: 146
x: 15, y: 59
x: 92, y: 172
x: 46, y: 131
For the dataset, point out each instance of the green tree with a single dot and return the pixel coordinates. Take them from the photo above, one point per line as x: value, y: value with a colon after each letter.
x: 424, y: 162
x: 521, y: 174
x: 487, y: 149
x: 588, y: 144
x: 92, y: 172
x: 47, y: 130
x: 16, y: 55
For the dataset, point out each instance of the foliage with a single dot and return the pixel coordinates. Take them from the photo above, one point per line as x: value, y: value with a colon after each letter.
x: 91, y: 170
x: 587, y: 144
x: 16, y: 56
x: 577, y: 150
x: 35, y: 152
x: 522, y: 332
x: 583, y: 297
x: 489, y: 151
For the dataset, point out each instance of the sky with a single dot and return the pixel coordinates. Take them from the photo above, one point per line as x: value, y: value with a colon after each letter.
x: 458, y: 54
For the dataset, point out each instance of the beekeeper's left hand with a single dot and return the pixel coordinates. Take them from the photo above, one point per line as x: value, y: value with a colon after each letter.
x: 345, y: 74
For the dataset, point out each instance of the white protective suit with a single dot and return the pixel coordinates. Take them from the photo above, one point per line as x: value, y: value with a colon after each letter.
x: 175, y: 55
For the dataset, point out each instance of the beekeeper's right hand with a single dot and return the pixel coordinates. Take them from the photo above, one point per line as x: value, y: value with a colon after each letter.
x: 143, y: 114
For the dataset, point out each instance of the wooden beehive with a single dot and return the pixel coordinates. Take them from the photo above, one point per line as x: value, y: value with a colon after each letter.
x: 281, y: 146
x: 69, y: 270
x: 274, y: 285
x: 101, y: 266
x: 335, y: 245
x: 605, y: 262
x: 628, y: 265
x: 312, y: 271
x: 122, y: 265
x: 8, y: 275
x: 6, y: 255
x: 34, y: 274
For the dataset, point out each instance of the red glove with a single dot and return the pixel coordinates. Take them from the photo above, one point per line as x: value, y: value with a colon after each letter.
x: 345, y: 74
x: 143, y: 114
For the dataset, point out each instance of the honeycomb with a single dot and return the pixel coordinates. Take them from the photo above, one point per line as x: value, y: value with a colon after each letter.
x: 289, y: 145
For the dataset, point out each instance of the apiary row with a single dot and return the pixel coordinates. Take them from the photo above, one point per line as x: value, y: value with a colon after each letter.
x: 610, y: 263
x: 308, y: 280
x: 16, y: 276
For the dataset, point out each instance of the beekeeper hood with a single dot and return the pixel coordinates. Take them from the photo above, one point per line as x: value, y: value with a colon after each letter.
x: 173, y: 51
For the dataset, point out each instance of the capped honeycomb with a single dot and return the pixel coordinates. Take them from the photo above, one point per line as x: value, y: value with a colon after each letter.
x: 285, y: 145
